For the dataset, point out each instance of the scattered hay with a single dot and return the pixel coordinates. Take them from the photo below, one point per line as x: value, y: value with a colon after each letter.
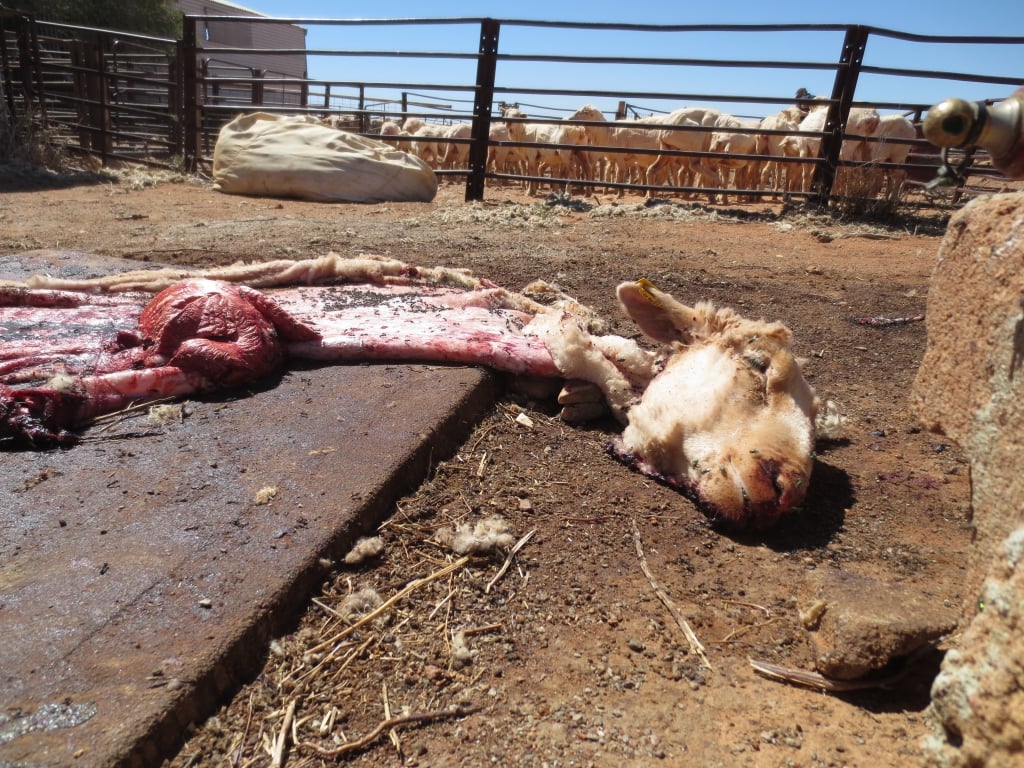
x: 883, y: 220
x: 511, y: 215
x: 413, y: 628
x: 696, y: 647
x: 26, y: 142
x: 134, y: 178
x: 653, y: 210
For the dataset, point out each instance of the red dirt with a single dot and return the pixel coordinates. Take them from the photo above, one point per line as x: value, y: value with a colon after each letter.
x: 573, y: 659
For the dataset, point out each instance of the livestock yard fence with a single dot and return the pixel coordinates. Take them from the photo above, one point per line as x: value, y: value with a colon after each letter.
x: 477, y: 114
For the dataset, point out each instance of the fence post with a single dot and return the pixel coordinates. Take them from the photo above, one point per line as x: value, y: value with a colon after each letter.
x: 97, y: 92
x: 80, y: 78
x: 6, y: 86
x: 190, y: 93
x: 93, y: 109
x: 485, y: 69
x: 6, y: 80
x: 847, y: 72
x: 19, y: 25
x: 257, y: 86
x: 37, y: 69
x: 26, y: 33
x: 174, y: 101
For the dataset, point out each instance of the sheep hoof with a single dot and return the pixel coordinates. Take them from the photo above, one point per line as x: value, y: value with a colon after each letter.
x: 577, y: 414
x: 577, y: 391
x: 581, y: 401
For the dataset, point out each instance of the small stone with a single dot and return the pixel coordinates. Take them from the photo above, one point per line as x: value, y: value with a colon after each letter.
x: 206, y: 603
x: 857, y: 625
x: 636, y: 644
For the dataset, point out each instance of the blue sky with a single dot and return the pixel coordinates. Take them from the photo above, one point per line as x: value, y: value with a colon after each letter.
x: 937, y: 17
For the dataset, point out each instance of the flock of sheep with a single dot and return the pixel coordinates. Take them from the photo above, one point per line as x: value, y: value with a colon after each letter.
x: 749, y: 154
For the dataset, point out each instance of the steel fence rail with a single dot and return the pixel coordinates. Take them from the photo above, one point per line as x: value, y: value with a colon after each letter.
x: 163, y: 101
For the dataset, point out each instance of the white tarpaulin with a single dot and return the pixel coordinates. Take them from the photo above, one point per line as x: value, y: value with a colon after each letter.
x: 298, y: 156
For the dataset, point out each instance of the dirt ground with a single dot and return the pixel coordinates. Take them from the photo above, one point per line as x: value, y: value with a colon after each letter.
x: 570, y: 657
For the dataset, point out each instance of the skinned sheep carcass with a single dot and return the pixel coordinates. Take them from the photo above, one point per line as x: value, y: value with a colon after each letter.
x: 714, y: 405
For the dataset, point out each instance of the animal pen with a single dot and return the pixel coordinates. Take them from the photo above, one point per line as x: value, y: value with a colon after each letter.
x: 126, y: 97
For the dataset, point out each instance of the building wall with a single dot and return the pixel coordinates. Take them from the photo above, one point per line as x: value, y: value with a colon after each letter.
x: 223, y: 34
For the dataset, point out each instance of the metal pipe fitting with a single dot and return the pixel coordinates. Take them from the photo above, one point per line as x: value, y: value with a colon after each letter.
x: 998, y: 129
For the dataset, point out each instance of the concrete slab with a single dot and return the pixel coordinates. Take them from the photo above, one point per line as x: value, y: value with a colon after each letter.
x: 143, y: 572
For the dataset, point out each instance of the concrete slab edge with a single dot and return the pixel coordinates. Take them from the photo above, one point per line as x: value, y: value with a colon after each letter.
x: 245, y: 653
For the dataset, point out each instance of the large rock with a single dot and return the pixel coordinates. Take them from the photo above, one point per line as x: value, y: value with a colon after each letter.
x: 857, y: 625
x: 970, y: 387
x: 978, y: 697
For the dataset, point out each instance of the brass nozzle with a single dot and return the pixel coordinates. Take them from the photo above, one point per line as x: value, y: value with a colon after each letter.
x: 951, y: 123
x: 959, y: 123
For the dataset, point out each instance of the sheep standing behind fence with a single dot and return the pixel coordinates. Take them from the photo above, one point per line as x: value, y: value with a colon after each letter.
x: 586, y: 146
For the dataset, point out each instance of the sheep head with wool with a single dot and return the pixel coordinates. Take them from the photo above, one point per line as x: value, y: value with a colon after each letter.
x: 730, y: 417
x: 719, y: 409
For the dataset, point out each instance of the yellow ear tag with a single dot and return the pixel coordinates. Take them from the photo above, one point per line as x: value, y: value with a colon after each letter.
x: 644, y: 285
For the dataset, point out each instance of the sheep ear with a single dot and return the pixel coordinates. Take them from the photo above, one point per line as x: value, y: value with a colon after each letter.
x: 657, y: 314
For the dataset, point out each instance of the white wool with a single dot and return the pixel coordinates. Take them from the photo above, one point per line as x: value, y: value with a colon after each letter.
x: 61, y: 382
x: 829, y: 423
x: 462, y: 654
x: 577, y: 357
x: 165, y: 413
x: 365, y: 268
x: 265, y: 495
x: 488, y: 535
x: 365, y: 549
x: 358, y: 604
x: 629, y: 357
x: 297, y: 156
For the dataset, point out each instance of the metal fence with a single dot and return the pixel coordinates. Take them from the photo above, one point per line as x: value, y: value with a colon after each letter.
x: 160, y: 101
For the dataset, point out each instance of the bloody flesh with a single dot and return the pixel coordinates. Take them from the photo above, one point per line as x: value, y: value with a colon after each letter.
x: 66, y: 357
